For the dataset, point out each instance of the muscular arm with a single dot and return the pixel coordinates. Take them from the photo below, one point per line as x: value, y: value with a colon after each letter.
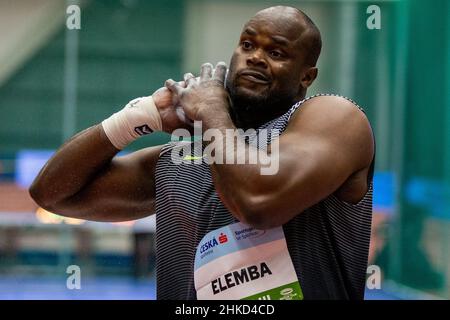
x: 85, y: 180
x: 326, y: 142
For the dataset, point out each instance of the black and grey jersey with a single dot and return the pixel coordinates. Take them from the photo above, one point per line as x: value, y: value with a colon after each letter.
x: 328, y: 242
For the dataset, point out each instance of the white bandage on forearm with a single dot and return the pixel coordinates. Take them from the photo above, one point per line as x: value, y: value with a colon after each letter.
x: 139, y: 117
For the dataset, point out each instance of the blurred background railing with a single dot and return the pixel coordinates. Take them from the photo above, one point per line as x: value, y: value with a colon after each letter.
x: 55, y: 82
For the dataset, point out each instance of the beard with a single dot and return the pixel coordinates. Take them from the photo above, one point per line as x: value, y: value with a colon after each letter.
x: 252, y: 110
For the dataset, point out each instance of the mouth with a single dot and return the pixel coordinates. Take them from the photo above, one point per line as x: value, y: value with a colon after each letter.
x: 254, y: 76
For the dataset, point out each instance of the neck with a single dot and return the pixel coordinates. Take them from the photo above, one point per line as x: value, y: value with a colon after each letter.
x: 245, y: 117
x: 247, y: 121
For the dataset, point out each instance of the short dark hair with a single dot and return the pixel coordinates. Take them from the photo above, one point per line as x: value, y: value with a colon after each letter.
x: 314, y: 39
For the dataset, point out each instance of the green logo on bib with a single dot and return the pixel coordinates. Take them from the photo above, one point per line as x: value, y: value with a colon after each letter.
x: 290, y: 291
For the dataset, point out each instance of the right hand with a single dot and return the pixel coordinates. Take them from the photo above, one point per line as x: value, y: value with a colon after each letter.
x: 172, y: 116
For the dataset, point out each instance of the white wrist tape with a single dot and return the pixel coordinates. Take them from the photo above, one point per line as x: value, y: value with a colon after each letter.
x: 139, y: 117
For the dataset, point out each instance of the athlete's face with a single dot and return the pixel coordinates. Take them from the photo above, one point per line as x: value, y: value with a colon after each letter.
x: 266, y: 68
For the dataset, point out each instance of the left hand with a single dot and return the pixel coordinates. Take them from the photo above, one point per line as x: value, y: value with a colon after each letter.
x: 172, y: 117
x: 205, y: 96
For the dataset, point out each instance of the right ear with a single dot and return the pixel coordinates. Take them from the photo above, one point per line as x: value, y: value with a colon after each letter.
x: 309, y: 76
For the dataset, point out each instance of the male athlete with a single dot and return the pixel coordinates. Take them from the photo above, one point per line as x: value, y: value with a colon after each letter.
x: 227, y: 231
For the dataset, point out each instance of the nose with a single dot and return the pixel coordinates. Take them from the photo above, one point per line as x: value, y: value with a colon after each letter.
x: 256, y: 58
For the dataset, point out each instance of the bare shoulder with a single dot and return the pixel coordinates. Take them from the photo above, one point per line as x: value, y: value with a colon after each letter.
x: 337, y: 121
x: 331, y: 111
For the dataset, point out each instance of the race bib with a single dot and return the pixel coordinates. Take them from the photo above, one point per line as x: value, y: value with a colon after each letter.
x: 239, y: 262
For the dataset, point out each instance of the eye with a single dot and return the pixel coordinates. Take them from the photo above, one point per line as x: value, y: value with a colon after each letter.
x: 275, y: 54
x: 247, y: 45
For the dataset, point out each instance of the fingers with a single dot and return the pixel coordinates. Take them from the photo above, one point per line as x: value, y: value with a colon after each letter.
x: 206, y: 71
x: 220, y: 72
x: 173, y: 86
x: 206, y: 74
x: 188, y: 77
x: 182, y: 84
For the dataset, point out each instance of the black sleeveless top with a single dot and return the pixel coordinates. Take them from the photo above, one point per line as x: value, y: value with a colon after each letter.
x: 328, y: 242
